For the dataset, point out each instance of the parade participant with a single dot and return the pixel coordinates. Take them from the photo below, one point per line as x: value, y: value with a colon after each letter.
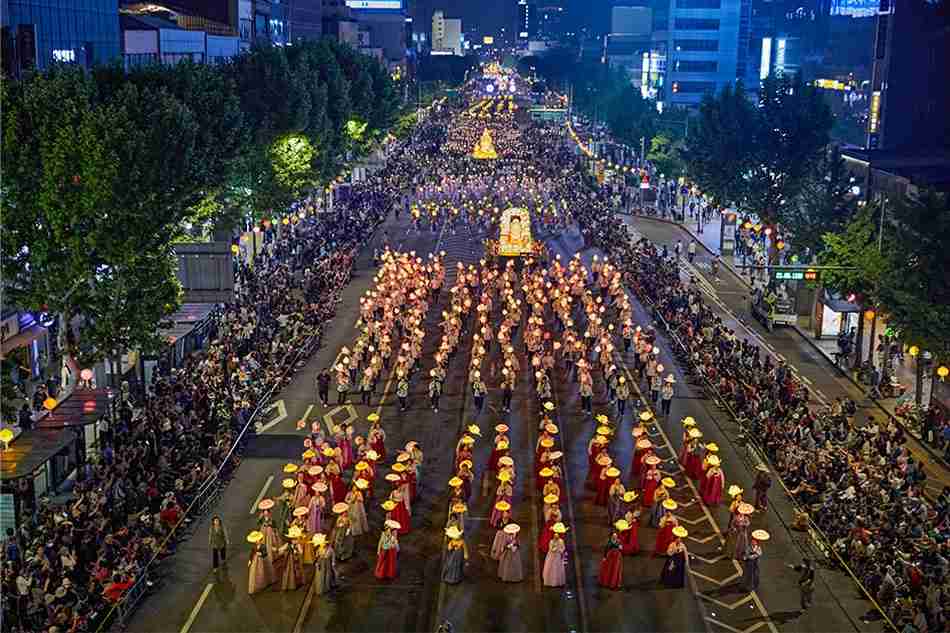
x: 740, y: 529
x: 399, y: 512
x: 547, y: 532
x: 324, y: 572
x: 667, y: 524
x: 303, y: 541
x: 601, y: 462
x: 666, y: 395
x: 643, y: 448
x: 285, y: 505
x: 402, y: 390
x: 503, y: 495
x: 713, y: 483
x: 466, y: 475
x: 359, y: 524
x: 674, y: 569
x: 334, y: 478
x: 293, y: 566
x: 694, y: 458
x: 387, y: 552
x: 611, y: 565
x: 260, y: 574
x: 630, y: 538
x: 608, y: 476
x: 750, y: 561
x: 509, y: 562
x: 457, y: 514
x: 550, y: 504
x: 763, y: 481
x: 405, y: 490
x: 317, y: 507
x: 651, y: 479
x: 272, y: 539
x: 376, y: 436
x: 553, y: 573
x: 622, y: 395
x: 456, y: 557
x: 342, y: 536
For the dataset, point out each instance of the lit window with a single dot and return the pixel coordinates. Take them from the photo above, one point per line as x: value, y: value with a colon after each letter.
x: 65, y: 55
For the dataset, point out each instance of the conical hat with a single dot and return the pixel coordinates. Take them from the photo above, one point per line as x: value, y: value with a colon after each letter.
x: 340, y: 507
x: 621, y: 525
x: 255, y: 537
x: 680, y: 531
x: 669, y: 504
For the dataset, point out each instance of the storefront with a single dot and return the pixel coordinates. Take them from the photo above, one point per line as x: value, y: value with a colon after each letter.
x: 190, y: 330
x: 834, y: 315
x: 25, y: 342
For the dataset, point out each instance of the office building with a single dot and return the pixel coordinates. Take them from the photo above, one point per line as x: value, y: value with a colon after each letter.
x: 149, y: 39
x: 550, y: 20
x: 446, y: 34
x: 703, y: 44
x: 384, y: 24
x: 631, y: 20
x: 910, y: 95
x: 527, y: 27
x: 36, y: 33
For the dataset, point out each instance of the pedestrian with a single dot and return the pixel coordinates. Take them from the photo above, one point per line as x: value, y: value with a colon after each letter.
x: 691, y: 251
x: 218, y: 540
x: 806, y: 582
x: 623, y: 394
x: 478, y: 392
x: 323, y: 386
x: 763, y: 481
x: 435, y: 391
x: 402, y: 392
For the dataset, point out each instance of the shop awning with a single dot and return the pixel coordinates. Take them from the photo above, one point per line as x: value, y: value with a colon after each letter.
x: 835, y: 303
x: 25, y: 337
x: 83, y: 406
x: 31, y: 449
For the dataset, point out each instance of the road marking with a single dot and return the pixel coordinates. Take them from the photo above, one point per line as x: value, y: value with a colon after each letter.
x: 194, y: 612
x: 304, y: 610
x: 281, y: 416
x: 351, y: 417
x: 270, y: 478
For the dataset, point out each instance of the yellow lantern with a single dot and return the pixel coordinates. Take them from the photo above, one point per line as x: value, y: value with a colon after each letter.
x: 49, y: 404
x: 235, y: 249
x: 914, y: 350
x: 869, y: 315
x: 942, y: 371
x: 285, y: 221
x: 6, y: 436
x: 780, y: 245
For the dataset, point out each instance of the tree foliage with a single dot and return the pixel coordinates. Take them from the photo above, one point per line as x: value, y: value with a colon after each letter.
x: 103, y: 171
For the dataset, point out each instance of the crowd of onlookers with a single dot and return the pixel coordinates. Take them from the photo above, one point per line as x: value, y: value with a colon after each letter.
x: 859, y: 484
x: 68, y: 564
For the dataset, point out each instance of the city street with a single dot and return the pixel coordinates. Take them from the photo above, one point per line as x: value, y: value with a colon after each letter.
x: 192, y: 598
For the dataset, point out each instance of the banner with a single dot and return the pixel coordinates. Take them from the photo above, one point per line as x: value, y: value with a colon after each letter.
x: 515, y: 238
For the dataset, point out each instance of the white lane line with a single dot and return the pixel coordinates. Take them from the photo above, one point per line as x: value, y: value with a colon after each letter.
x: 281, y: 416
x: 270, y: 479
x: 194, y: 612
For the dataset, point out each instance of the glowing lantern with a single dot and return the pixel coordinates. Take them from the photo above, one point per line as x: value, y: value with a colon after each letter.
x: 914, y: 350
x: 86, y: 374
x: 869, y: 315
x: 942, y: 371
x: 49, y: 404
x: 285, y: 221
x: 6, y: 436
x: 235, y: 249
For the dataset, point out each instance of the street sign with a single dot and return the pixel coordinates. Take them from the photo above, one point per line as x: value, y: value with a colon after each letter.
x: 794, y: 274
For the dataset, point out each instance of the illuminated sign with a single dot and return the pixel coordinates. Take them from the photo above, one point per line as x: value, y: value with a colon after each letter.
x: 795, y: 274
x: 831, y: 84
x: 394, y: 5
x: 488, y: 39
x: 766, y: 60
x: 874, y: 116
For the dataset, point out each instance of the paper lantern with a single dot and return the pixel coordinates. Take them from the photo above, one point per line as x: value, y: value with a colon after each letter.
x: 6, y: 436
x: 86, y: 374
x: 49, y: 404
x: 914, y: 350
x: 869, y: 315
x: 235, y: 249
x: 942, y: 371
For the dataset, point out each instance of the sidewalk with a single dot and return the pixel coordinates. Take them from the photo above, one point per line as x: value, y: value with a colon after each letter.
x: 709, y: 240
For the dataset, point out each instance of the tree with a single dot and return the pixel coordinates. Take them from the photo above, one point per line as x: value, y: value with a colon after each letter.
x: 825, y: 204
x: 665, y: 155
x: 790, y: 131
x: 719, y: 148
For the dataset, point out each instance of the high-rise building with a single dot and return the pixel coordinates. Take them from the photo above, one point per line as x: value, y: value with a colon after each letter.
x: 703, y: 48
x: 37, y: 33
x: 527, y: 27
x: 910, y: 95
x: 631, y: 20
x: 550, y: 20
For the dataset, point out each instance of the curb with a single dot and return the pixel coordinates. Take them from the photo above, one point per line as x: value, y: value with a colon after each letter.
x: 938, y: 458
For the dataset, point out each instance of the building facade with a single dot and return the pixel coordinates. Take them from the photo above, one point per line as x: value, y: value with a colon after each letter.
x: 703, y: 47
x: 37, y: 33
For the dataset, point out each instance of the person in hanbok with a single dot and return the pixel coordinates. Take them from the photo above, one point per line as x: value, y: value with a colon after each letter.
x: 714, y: 483
x: 510, y: 567
x: 615, y: 501
x: 456, y: 556
x: 342, y: 536
x: 293, y: 566
x: 376, y: 436
x: 272, y: 538
x: 607, y: 478
x: 466, y: 475
x: 547, y: 532
x: 657, y: 511
x: 365, y: 470
x: 551, y: 503
x: 405, y: 493
x: 665, y: 534
x: 346, y: 445
x: 651, y: 479
x: 304, y: 545
x: 335, y: 481
x: 324, y: 569
x: 674, y: 569
x: 695, y: 456
x: 595, y: 447
x: 284, y: 511
x: 601, y: 462
x: 630, y: 538
x: 611, y: 565
x: 740, y: 529
x: 504, y: 493
x: 317, y: 507
x: 689, y: 424
x: 553, y: 573
x: 644, y: 447
x: 387, y: 552
x: 399, y: 513
x: 260, y: 573
x: 359, y: 524
x: 498, y: 543
x: 302, y: 491
x: 750, y: 560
